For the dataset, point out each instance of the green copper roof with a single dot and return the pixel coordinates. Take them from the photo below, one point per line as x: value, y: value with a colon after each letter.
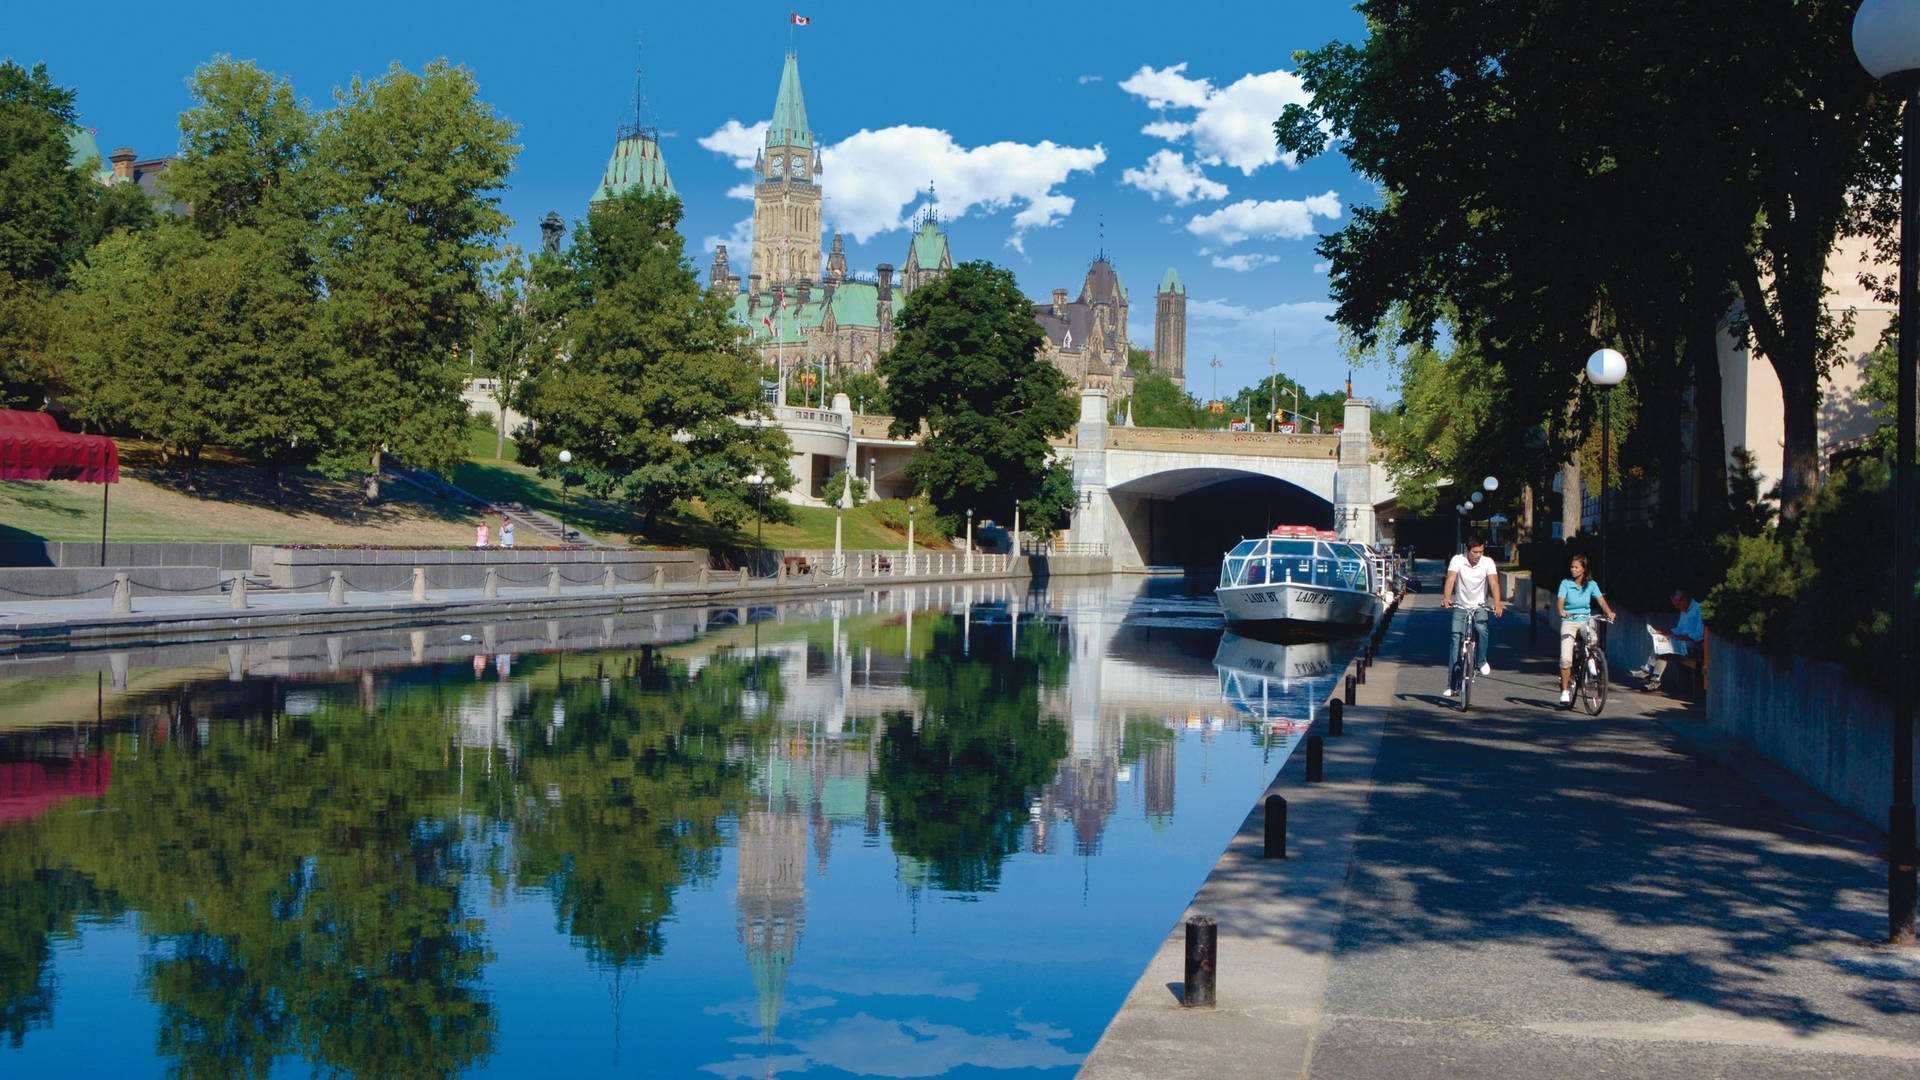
x: 81, y: 148
x: 789, y: 110
x: 1171, y: 282
x: 855, y: 303
x: 636, y: 163
x: 928, y: 245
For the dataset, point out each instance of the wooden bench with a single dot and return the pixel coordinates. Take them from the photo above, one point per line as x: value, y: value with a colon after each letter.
x: 797, y: 566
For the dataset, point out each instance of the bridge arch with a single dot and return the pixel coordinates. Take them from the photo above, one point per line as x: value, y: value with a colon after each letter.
x: 1187, y: 516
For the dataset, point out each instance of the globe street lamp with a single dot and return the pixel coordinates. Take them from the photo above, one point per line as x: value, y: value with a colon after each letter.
x: 1605, y: 368
x: 969, y: 539
x: 1886, y: 38
x: 758, y: 481
x: 566, y: 457
x: 910, y: 509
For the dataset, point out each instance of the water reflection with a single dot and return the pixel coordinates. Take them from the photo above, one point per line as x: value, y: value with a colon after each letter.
x: 432, y: 851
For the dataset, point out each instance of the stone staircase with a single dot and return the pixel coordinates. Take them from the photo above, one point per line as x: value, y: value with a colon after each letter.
x: 525, y: 519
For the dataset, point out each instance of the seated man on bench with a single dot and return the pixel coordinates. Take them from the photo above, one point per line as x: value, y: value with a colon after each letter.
x: 1685, y: 639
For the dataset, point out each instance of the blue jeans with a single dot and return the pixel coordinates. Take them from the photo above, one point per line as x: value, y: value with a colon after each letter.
x: 1461, y: 617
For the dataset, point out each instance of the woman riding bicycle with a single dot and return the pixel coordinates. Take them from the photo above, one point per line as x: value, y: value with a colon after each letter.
x: 1578, y: 592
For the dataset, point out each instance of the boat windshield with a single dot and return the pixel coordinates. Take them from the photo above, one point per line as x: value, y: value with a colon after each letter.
x: 1294, y: 559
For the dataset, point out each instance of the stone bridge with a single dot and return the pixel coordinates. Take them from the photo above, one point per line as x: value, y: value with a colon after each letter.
x: 1153, y: 497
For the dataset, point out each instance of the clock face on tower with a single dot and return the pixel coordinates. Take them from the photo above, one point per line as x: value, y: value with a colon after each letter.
x: 776, y: 165
x: 799, y: 166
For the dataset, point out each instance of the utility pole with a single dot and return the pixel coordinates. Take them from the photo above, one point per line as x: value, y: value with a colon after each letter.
x: 1273, y: 389
x: 1215, y: 365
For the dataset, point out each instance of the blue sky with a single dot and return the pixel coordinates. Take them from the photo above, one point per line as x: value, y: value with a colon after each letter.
x: 1150, y: 123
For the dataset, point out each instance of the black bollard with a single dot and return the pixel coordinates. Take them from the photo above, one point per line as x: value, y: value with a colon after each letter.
x: 1276, y: 836
x: 1336, y: 716
x: 1316, y: 766
x: 1203, y: 938
x: 1350, y: 693
x: 1360, y: 673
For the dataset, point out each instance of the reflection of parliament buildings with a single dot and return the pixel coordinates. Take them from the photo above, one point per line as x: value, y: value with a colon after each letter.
x: 813, y: 781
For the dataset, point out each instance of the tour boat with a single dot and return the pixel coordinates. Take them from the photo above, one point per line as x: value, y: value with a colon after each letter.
x: 1298, y: 579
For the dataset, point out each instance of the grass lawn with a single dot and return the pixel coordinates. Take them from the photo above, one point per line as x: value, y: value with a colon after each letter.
x: 235, y: 503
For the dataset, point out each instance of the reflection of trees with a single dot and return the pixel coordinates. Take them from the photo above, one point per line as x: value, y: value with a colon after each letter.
x: 620, y: 803
x: 957, y: 784
x: 300, y: 877
x: 41, y: 903
x: 301, y: 886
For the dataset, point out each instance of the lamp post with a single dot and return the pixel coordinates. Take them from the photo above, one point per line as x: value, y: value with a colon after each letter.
x: 1605, y: 369
x: 873, y: 478
x: 969, y: 539
x: 910, y: 509
x: 759, y: 481
x: 566, y: 457
x: 1886, y: 38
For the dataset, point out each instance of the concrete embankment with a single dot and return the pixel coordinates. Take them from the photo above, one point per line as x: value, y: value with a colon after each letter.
x: 317, y: 589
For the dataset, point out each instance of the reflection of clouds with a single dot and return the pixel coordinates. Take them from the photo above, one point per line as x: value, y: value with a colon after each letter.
x: 871, y: 1046
x: 867, y: 982
x: 747, y: 1010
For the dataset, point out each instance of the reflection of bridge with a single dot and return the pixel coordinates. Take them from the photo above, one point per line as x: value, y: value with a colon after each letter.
x: 1152, y: 496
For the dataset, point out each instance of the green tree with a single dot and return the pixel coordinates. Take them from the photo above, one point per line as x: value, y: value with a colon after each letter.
x: 651, y: 375
x: 1158, y: 403
x: 1740, y: 142
x: 244, y: 147
x: 966, y: 364
x: 506, y: 339
x: 44, y: 204
x: 196, y: 342
x: 410, y: 165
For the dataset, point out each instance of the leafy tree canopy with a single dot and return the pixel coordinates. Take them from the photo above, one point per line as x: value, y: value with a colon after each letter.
x: 650, y: 373
x: 966, y: 364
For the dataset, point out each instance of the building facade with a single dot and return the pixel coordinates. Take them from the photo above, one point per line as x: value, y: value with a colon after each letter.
x: 1170, y: 329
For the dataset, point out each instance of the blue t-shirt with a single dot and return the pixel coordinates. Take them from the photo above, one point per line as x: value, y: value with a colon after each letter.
x: 1579, y: 598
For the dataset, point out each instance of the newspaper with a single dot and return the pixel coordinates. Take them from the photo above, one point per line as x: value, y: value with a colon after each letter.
x: 1662, y: 644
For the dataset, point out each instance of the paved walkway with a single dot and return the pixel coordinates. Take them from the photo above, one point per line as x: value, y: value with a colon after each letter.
x: 1523, y: 891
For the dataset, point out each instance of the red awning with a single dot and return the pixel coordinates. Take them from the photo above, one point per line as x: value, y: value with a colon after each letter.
x: 32, y: 447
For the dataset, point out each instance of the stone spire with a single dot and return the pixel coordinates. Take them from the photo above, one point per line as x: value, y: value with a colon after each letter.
x: 1170, y: 328
x: 787, y: 225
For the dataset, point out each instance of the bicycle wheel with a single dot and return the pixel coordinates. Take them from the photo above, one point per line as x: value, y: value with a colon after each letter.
x: 1466, y: 672
x: 1593, y: 690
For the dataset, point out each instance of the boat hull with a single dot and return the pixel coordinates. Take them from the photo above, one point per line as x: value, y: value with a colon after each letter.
x: 1286, y: 606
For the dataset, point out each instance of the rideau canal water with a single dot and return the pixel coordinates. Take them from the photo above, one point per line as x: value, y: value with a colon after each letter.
x: 925, y: 832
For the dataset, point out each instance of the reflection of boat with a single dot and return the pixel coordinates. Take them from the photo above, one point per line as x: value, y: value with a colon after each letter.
x: 1278, y: 686
x: 1298, y: 578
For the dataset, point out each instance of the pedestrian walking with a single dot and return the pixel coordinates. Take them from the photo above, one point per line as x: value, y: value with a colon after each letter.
x: 506, y: 531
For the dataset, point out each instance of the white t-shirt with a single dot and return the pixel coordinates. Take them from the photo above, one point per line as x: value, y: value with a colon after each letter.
x: 1470, y: 580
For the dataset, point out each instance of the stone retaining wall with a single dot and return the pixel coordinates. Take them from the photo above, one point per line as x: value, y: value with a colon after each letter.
x: 90, y: 582
x: 384, y: 569
x: 81, y: 553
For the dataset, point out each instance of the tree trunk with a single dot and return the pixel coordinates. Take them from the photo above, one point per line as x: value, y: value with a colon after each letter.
x: 1570, y: 499
x: 1523, y: 533
x: 373, y: 477
x: 1799, y: 445
x: 500, y: 439
x: 1709, y: 427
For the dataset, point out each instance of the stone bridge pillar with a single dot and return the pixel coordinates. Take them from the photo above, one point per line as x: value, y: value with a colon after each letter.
x: 1353, y: 484
x: 1092, y: 508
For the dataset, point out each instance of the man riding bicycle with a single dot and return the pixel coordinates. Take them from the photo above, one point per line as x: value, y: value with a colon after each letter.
x: 1471, y: 579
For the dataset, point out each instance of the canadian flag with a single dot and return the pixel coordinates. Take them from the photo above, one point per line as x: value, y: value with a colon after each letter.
x: 801, y: 20
x: 781, y: 295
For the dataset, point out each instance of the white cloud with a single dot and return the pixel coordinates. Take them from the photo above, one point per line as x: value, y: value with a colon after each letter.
x: 1085, y: 79
x: 738, y: 142
x: 876, y: 179
x: 1286, y: 219
x: 739, y: 246
x: 1168, y: 88
x: 1240, y: 264
x: 741, y: 191
x: 1232, y: 125
x: 1169, y: 173
x: 1322, y: 267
